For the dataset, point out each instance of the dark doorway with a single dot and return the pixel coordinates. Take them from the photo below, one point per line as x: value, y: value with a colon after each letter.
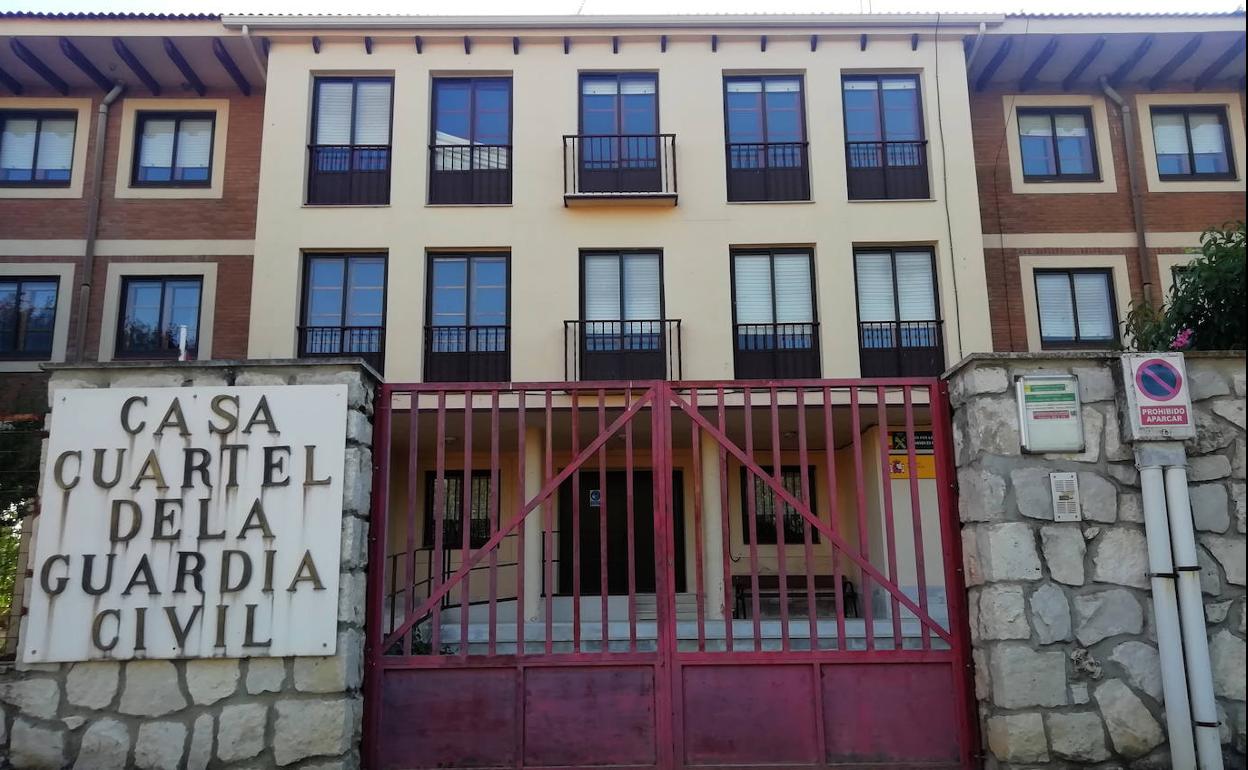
x: 592, y: 497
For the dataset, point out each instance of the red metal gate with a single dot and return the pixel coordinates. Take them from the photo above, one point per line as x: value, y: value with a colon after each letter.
x: 666, y: 575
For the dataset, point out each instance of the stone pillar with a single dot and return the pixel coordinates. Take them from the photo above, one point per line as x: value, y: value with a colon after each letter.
x: 533, y: 524
x: 712, y: 531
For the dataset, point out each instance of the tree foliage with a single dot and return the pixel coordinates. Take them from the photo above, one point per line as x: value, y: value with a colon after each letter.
x: 1205, y: 308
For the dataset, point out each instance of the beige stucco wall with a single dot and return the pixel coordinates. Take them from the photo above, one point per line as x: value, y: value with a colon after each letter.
x: 544, y: 237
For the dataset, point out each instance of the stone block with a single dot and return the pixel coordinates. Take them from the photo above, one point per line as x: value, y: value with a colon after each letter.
x: 351, y: 597
x: 312, y: 728
x: 1079, y: 736
x: 105, y: 745
x: 1131, y: 508
x: 992, y: 427
x: 354, y: 543
x: 1212, y: 433
x: 1063, y: 547
x: 1023, y: 677
x: 199, y: 756
x: 981, y: 495
x: 209, y: 681
x: 160, y: 745
x: 1018, y: 738
x: 1216, y: 612
x: 357, y: 481
x: 972, y: 566
x: 73, y: 722
x: 1104, y: 614
x: 1007, y: 551
x: 32, y: 747
x: 240, y: 731
x: 1210, y: 507
x: 151, y: 689
x: 1226, y: 655
x: 1230, y: 553
x: 92, y: 685
x: 1238, y: 457
x: 1098, y: 497
x: 1208, y: 468
x: 979, y: 659
x: 1050, y: 614
x: 978, y: 380
x: 1079, y: 693
x: 1116, y: 448
x: 1002, y: 613
x: 37, y: 697
x: 359, y: 428
x: 1231, y: 410
x: 333, y: 673
x: 1095, y: 383
x: 1032, y: 492
x: 265, y: 675
x: 1125, y: 474
x: 1210, y: 579
x: 1120, y: 556
x: 1237, y: 501
x: 1142, y: 665
x: 1206, y: 382
x: 1132, y: 729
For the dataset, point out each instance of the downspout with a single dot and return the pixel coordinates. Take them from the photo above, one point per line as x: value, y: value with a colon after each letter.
x: 255, y: 56
x: 1137, y: 197
x: 979, y: 41
x: 93, y: 220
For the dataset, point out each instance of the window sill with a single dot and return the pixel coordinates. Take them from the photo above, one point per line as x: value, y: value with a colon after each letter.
x: 469, y: 205
x: 23, y: 365
x: 345, y: 205
x: 891, y: 200
x: 770, y: 203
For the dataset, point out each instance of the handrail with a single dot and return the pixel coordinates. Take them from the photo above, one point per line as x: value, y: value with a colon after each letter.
x: 619, y: 165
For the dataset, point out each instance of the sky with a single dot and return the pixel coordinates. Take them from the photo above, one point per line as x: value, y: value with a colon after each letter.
x: 597, y: 7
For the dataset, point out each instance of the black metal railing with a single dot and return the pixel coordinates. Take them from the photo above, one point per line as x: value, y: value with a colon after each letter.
x: 622, y: 350
x: 886, y: 170
x: 351, y: 174
x: 467, y: 353
x: 769, y: 171
x: 470, y: 173
x: 776, y: 351
x: 901, y: 348
x: 625, y: 165
x: 367, y: 342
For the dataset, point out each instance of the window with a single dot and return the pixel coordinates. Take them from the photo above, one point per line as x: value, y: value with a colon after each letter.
x: 1076, y: 308
x: 453, y: 509
x: 886, y: 155
x: 765, y: 507
x: 623, y: 298
x: 774, y: 314
x: 619, y: 142
x: 1057, y: 144
x: 470, y: 159
x: 899, y: 330
x: 173, y: 149
x: 36, y: 148
x: 344, y: 305
x: 350, y: 151
x: 766, y: 128
x: 158, y: 316
x: 27, y: 317
x: 467, y: 335
x: 1192, y: 143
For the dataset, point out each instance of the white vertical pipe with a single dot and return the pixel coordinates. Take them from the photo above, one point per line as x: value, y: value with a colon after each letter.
x: 532, y: 524
x: 1166, y: 619
x: 1192, y: 616
x: 712, y: 532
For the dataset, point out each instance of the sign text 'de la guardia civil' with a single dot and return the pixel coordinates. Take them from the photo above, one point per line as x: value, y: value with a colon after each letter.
x: 189, y: 522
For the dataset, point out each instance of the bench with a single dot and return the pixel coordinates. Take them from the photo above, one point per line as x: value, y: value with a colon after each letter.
x: 769, y: 588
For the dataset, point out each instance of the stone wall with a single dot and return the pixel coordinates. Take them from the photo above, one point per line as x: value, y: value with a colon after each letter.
x: 1066, y: 662
x: 300, y: 713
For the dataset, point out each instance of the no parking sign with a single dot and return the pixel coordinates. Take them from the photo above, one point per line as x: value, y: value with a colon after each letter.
x: 1158, y: 403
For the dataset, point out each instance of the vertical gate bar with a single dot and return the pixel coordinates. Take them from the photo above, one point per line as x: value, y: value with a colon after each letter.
x: 808, y: 548
x: 829, y: 448
x: 628, y: 484
x: 393, y: 564
x: 779, y: 510
x: 576, y: 526
x: 548, y: 515
x: 413, y: 496
x: 665, y: 585
x: 916, y: 514
x: 468, y: 499
x: 495, y: 477
x: 695, y: 445
x: 378, y: 514
x: 864, y: 548
x: 725, y: 524
x: 752, y: 521
x: 603, y: 581
x: 521, y: 451
x: 439, y: 519
x: 890, y: 533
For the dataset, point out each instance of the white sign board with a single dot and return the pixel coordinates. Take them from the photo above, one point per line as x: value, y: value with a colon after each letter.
x: 189, y: 522
x: 1159, y: 406
x: 1049, y: 413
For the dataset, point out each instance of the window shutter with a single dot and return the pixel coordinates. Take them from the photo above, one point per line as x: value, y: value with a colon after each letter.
x: 1092, y: 298
x: 602, y: 287
x: 1169, y: 134
x: 56, y: 145
x: 372, y: 112
x: 753, y: 288
x: 194, y: 143
x: 916, y: 286
x: 1207, y: 136
x: 17, y: 145
x: 1057, y: 317
x: 333, y: 113
x: 875, y: 287
x: 156, y: 146
x: 1034, y: 125
x: 637, y: 85
x: 641, y: 287
x: 793, y: 301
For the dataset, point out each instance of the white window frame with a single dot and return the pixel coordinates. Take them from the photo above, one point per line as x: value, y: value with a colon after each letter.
x: 64, y: 274
x: 205, y: 271
x: 82, y: 136
x: 130, y: 109
x: 1028, y: 264
x: 1230, y: 101
x: 1101, y: 138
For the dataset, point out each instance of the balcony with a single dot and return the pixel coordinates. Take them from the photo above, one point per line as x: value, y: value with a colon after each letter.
x: 472, y: 174
x: 769, y: 171
x: 887, y: 170
x: 349, y: 174
x: 622, y: 350
x: 901, y: 348
x: 619, y: 168
x: 367, y: 342
x: 467, y: 353
x: 779, y: 351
